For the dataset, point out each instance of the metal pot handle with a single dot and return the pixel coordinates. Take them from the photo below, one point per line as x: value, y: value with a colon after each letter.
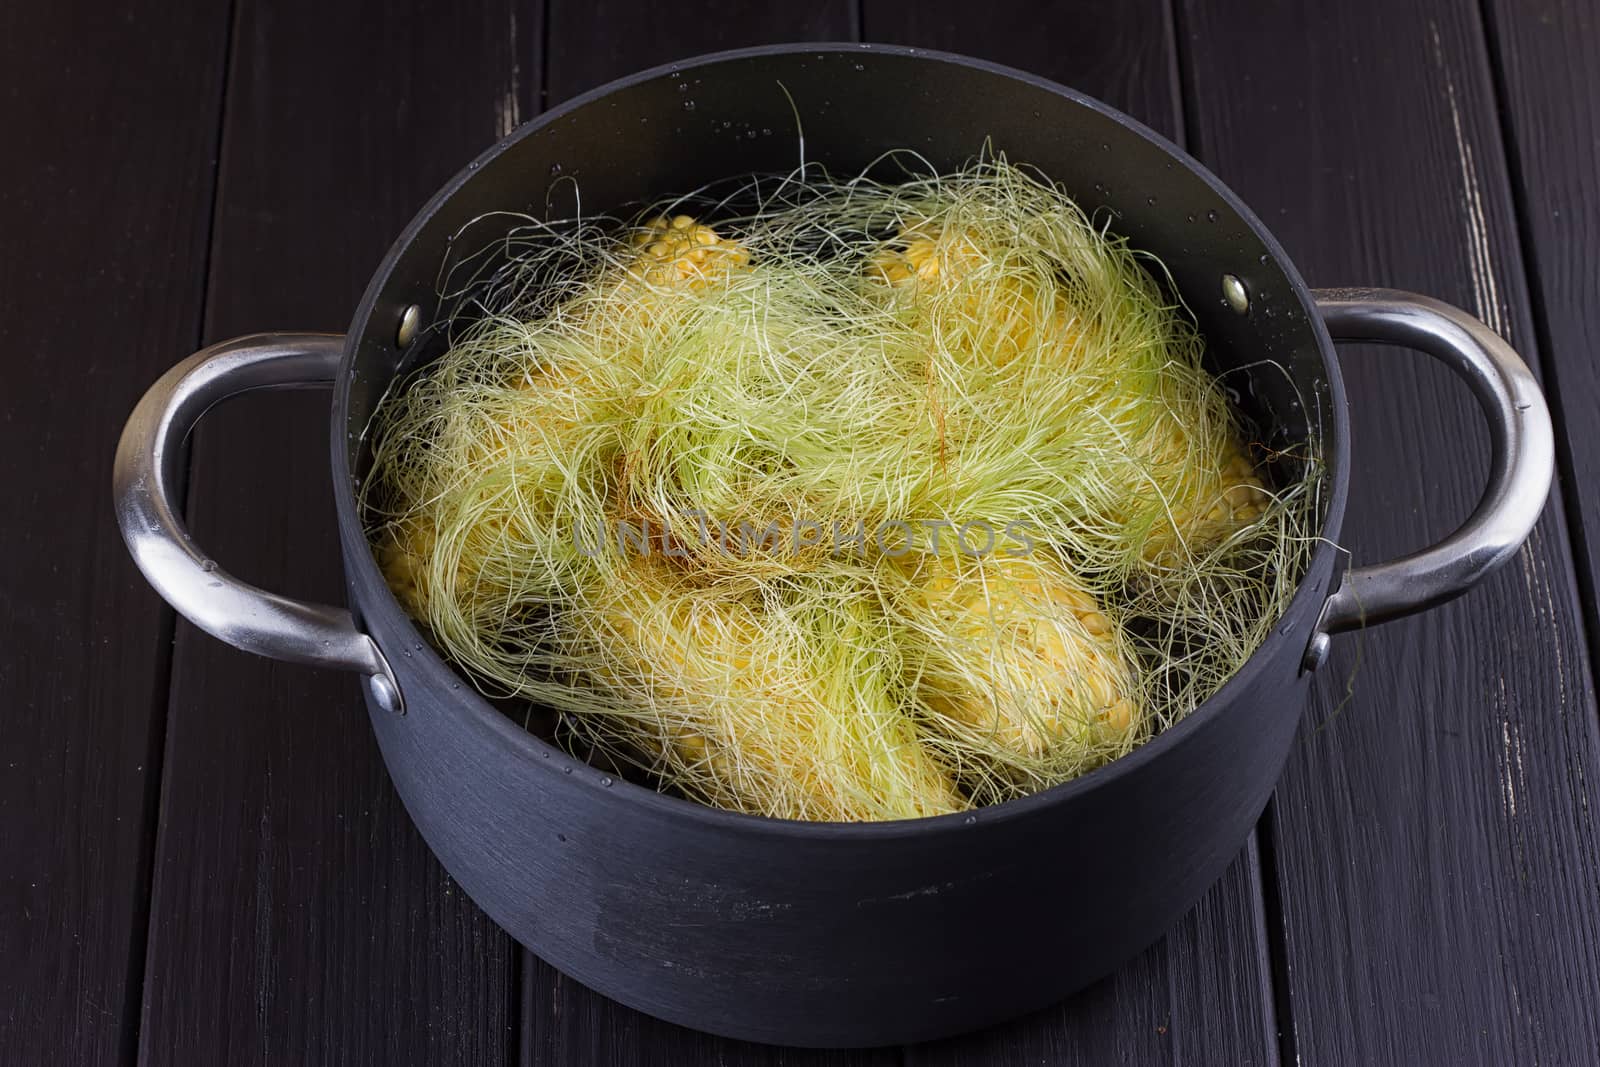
x: 147, y: 469
x: 1522, y: 458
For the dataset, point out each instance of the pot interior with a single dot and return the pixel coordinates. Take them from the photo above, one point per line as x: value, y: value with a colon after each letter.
x: 675, y: 129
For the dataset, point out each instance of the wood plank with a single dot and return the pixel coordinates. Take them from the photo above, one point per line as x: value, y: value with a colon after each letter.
x: 593, y: 41
x: 1434, y: 840
x: 105, y: 207
x: 297, y: 917
x: 1202, y: 995
x: 1122, y: 54
x: 570, y: 1024
x: 1550, y: 102
x: 589, y: 44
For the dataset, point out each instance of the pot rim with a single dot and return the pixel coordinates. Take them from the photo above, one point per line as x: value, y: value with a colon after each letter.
x: 365, y: 574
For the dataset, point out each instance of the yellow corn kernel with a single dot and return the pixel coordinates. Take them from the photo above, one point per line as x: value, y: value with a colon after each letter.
x: 680, y: 252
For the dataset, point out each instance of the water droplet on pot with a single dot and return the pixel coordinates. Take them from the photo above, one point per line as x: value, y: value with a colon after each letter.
x: 688, y: 105
x: 682, y: 87
x: 1265, y: 258
x: 1191, y: 218
x: 860, y: 67
x: 208, y: 565
x: 1150, y: 200
x: 1211, y: 216
x: 766, y: 133
x: 1105, y: 146
x: 566, y: 770
x: 562, y: 838
x: 555, y: 168
x: 971, y: 819
x: 605, y: 781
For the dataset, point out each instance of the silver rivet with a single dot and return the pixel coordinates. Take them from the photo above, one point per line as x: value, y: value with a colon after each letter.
x: 385, y: 695
x: 1234, y: 293
x: 410, y: 321
x: 1316, y: 651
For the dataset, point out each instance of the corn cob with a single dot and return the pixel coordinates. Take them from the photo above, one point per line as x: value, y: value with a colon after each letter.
x: 529, y: 428
x: 925, y: 264
x: 1021, y: 661
x: 403, y: 549
x: 753, y: 719
x: 1195, y: 502
x: 484, y: 524
x: 1220, y: 499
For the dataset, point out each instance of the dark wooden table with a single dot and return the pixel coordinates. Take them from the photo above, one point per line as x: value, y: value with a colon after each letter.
x: 201, y: 858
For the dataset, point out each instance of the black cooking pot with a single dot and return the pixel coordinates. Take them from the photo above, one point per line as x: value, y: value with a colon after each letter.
x: 816, y: 933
